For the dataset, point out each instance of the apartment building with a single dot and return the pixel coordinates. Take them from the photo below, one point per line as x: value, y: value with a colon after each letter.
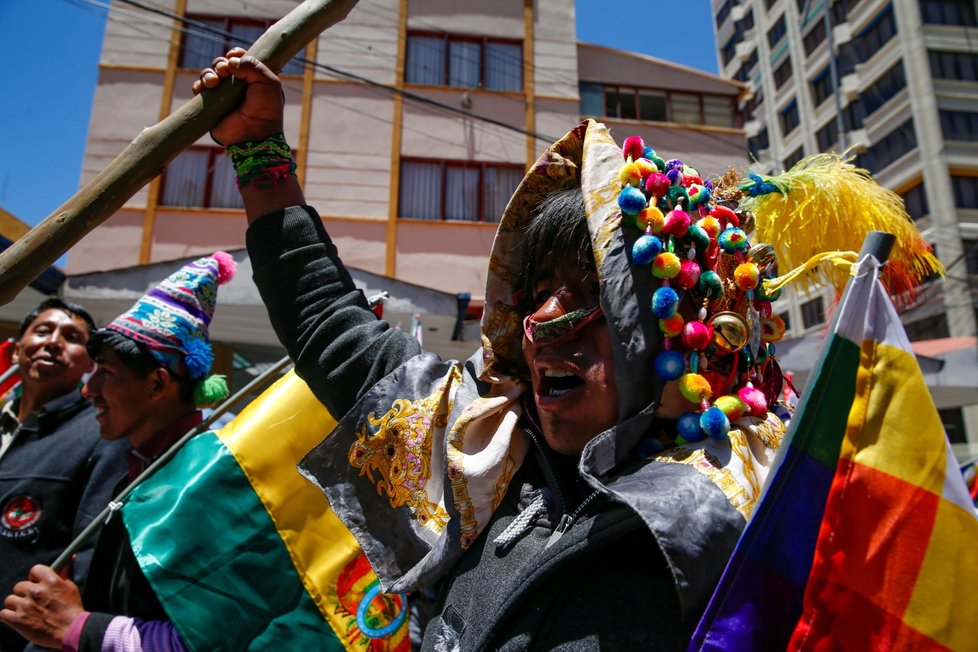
x: 898, y: 81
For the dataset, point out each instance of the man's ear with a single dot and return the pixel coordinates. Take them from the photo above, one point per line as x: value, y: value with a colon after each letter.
x: 160, y: 381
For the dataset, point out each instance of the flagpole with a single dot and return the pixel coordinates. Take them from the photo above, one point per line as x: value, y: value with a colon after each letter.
x: 116, y: 503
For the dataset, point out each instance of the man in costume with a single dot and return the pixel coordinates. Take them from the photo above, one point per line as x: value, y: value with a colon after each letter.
x: 152, y: 376
x: 56, y: 473
x: 540, y: 481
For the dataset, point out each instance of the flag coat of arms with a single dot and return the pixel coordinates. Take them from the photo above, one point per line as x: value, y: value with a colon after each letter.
x: 866, y: 537
x: 245, y: 554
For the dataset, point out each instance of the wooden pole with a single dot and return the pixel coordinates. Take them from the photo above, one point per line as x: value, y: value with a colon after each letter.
x: 147, y: 155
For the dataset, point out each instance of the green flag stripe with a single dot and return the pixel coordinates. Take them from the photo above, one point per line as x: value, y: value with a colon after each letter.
x: 198, y: 517
x: 825, y: 411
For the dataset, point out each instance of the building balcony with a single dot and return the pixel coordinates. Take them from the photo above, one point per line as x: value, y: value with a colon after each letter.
x: 842, y: 34
x: 737, y: 12
x: 743, y: 50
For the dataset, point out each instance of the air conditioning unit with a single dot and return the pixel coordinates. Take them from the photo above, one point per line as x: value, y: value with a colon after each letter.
x: 858, y: 140
x: 842, y: 34
x: 743, y: 50
x: 739, y: 11
x: 849, y: 86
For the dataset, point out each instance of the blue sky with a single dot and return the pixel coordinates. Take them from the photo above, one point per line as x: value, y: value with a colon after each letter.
x: 47, y: 97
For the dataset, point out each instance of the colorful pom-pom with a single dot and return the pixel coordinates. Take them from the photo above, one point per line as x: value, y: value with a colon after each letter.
x: 631, y: 200
x: 695, y: 388
x: 646, y: 248
x: 754, y: 399
x: 665, y: 301
x: 198, y: 357
x: 226, y: 267
x: 675, y: 176
x: 675, y: 164
x: 709, y: 286
x: 648, y: 153
x: 715, y: 423
x: 711, y: 225
x: 696, y: 336
x: 666, y: 265
x: 669, y: 365
x: 646, y: 167
x: 725, y: 216
x: 672, y: 326
x: 746, y: 276
x: 677, y: 222
x: 689, y: 428
x: 732, y: 239
x: 731, y: 405
x: 630, y: 174
x: 678, y: 196
x: 652, y: 217
x: 772, y: 329
x: 763, y: 294
x: 657, y: 185
x: 698, y: 196
x: 633, y: 148
x: 699, y: 237
x: 210, y: 390
x: 689, y: 274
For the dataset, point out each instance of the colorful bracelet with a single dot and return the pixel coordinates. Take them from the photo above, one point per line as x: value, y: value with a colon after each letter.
x: 262, y: 163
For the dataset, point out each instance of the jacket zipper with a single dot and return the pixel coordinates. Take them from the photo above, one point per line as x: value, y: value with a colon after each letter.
x: 568, y: 520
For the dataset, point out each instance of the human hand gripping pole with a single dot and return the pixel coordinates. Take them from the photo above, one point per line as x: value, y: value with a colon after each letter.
x: 147, y: 155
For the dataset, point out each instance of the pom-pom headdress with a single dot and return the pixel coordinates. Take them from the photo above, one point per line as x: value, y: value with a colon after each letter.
x: 695, y: 240
x: 171, y: 321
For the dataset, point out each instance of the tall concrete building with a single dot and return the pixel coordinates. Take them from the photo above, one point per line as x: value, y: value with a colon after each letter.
x: 412, y: 125
x: 903, y: 91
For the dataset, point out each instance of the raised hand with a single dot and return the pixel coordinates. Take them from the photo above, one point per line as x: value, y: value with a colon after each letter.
x: 42, y: 608
x: 260, y: 114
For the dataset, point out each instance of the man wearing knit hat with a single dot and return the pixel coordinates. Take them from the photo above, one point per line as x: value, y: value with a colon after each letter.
x: 152, y: 377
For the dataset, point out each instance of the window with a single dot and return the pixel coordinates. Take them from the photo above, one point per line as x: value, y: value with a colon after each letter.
x: 828, y: 136
x: 212, y: 36
x: 777, y: 32
x: 814, y: 37
x: 724, y: 11
x: 789, y: 118
x: 961, y: 66
x: 747, y: 22
x: 965, y: 191
x: 932, y: 328
x: 895, y: 144
x: 948, y: 12
x: 876, y: 35
x: 793, y: 158
x: 953, y: 421
x: 821, y: 87
x: 755, y: 144
x: 727, y: 51
x: 915, y: 201
x: 654, y: 105
x: 200, y: 177
x: 782, y: 73
x: 744, y: 72
x: 464, y: 62
x: 464, y: 190
x: 959, y: 125
x: 812, y: 313
x: 885, y: 88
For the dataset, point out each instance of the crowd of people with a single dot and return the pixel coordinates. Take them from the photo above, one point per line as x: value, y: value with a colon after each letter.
x: 568, y: 487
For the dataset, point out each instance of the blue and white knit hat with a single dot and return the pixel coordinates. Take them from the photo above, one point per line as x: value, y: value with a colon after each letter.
x: 171, y: 320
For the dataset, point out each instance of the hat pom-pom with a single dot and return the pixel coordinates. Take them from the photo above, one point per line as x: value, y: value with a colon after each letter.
x: 198, y: 357
x: 211, y: 390
x: 226, y: 267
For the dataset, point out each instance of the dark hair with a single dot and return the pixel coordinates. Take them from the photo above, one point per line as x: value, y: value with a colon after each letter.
x: 558, y: 230
x: 54, y: 303
x: 137, y: 358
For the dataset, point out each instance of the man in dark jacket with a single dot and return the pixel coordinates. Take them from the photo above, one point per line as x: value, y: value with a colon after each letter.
x: 56, y: 474
x: 152, y: 376
x: 540, y: 481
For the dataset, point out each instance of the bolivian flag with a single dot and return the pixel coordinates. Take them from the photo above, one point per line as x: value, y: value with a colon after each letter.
x: 865, y: 538
x: 245, y: 554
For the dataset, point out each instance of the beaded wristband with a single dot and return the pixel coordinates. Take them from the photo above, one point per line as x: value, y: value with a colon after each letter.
x: 262, y: 163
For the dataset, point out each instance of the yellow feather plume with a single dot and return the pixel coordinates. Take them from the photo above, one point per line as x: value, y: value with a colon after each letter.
x: 824, y: 203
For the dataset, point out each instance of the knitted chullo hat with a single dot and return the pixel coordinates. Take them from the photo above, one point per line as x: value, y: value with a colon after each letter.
x: 171, y: 322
